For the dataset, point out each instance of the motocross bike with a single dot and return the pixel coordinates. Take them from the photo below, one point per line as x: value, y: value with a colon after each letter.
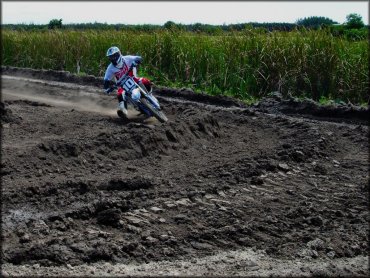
x: 136, y: 94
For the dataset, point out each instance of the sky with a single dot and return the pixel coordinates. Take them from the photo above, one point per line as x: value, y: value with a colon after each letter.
x: 184, y: 12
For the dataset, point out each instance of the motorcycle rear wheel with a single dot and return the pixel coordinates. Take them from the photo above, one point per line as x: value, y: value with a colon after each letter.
x: 156, y: 113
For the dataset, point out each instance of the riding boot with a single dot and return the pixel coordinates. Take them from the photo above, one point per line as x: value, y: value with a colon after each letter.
x: 122, y: 107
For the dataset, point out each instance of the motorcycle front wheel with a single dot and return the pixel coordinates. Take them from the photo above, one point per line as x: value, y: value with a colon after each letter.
x: 160, y: 116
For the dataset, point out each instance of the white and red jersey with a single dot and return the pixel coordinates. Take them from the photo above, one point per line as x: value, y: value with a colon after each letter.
x: 120, y: 69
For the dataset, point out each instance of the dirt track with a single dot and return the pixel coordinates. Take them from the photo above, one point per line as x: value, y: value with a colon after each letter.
x: 220, y: 189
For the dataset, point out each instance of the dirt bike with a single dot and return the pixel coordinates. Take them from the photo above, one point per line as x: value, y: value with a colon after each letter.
x: 139, y: 97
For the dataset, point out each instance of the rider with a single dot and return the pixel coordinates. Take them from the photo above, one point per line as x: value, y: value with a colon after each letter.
x: 119, y: 66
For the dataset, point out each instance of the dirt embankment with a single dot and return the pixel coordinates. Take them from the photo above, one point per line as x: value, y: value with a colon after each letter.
x: 220, y: 184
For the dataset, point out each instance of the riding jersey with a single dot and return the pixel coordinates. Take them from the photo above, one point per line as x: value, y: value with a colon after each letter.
x: 119, y: 71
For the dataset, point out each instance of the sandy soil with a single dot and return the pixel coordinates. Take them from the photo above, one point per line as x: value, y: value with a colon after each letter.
x: 279, y: 188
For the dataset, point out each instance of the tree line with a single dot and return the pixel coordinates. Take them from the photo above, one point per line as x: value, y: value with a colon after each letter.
x: 353, y: 22
x: 169, y: 25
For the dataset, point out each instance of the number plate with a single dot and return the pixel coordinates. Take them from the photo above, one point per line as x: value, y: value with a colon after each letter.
x: 128, y: 84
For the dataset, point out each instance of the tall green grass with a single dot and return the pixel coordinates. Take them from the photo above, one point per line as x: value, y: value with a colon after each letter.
x: 248, y: 64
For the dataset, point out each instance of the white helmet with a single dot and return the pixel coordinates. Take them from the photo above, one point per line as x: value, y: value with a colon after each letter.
x: 114, y: 55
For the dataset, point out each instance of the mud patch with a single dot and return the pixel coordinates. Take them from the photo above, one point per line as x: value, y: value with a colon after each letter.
x: 7, y: 115
x: 338, y: 112
x: 61, y: 76
x: 189, y: 94
x: 133, y: 184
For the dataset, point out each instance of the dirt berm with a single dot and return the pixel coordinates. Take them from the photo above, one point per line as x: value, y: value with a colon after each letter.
x: 279, y: 188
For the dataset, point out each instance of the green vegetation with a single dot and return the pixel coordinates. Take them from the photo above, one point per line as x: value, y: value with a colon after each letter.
x: 247, y: 64
x: 354, y: 21
x: 55, y: 24
x: 315, y: 22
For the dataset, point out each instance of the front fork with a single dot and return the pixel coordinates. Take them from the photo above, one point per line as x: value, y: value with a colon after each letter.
x: 145, y: 94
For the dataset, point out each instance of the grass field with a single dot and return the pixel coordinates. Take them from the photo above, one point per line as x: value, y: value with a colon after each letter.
x: 246, y: 65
